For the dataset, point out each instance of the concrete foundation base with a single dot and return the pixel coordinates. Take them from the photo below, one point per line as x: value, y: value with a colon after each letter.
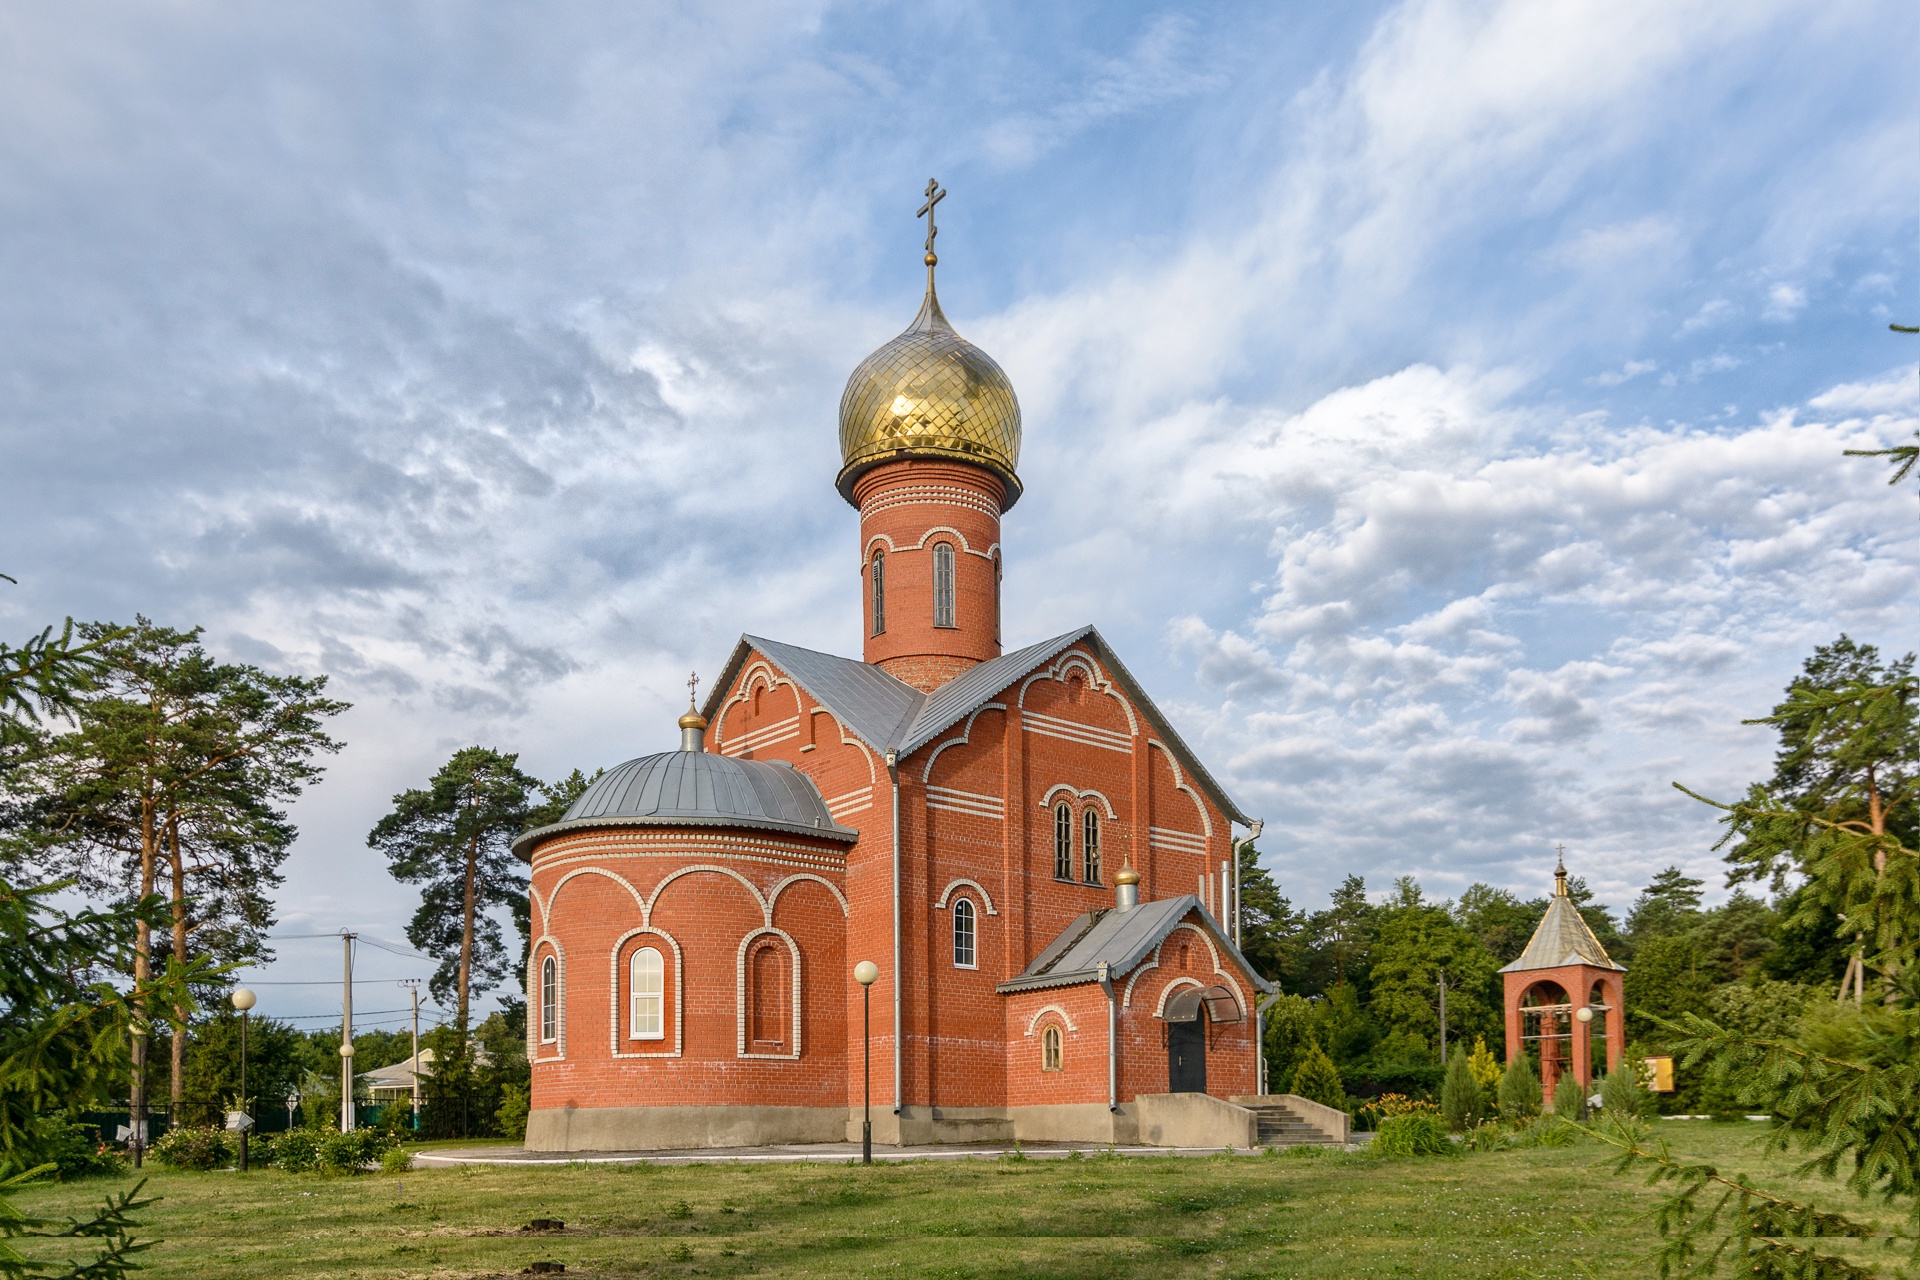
x: 922, y: 1126
x: 681, y: 1128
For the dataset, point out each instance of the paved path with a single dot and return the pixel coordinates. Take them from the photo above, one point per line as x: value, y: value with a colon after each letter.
x: 814, y: 1152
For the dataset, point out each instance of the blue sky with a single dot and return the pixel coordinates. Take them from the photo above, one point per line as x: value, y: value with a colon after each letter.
x: 1440, y: 405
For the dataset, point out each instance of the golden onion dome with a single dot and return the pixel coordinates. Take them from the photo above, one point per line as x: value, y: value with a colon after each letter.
x: 929, y: 394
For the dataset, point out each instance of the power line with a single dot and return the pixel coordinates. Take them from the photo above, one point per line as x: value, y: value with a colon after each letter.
x: 324, y: 982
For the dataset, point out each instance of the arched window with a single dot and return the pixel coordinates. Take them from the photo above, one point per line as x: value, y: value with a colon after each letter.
x: 879, y: 592
x: 963, y: 951
x: 1063, y: 841
x: 1051, y: 1045
x: 649, y: 985
x: 767, y: 997
x: 549, y: 1000
x: 943, y: 584
x: 1090, y: 845
x: 996, y: 597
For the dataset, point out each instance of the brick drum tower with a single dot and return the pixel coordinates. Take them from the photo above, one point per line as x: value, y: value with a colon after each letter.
x: 1038, y: 864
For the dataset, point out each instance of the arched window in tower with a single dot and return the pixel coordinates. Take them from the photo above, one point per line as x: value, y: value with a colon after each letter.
x: 768, y: 992
x: 549, y: 1000
x: 996, y: 597
x: 879, y: 592
x: 1063, y: 841
x: 963, y: 950
x: 1051, y: 1044
x: 1090, y: 845
x: 648, y: 1020
x: 943, y: 584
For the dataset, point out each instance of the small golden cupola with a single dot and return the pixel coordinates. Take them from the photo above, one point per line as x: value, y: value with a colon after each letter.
x: 930, y: 394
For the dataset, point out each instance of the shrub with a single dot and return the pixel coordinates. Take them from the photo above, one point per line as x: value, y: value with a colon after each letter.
x: 75, y: 1150
x: 1317, y: 1080
x: 348, y: 1152
x: 511, y: 1118
x: 1519, y: 1090
x: 1416, y: 1134
x: 1460, y: 1101
x: 1487, y: 1136
x: 1621, y: 1096
x: 1569, y: 1099
x: 296, y: 1150
x: 1547, y: 1131
x: 396, y: 1160
x: 1485, y: 1068
x: 193, y: 1148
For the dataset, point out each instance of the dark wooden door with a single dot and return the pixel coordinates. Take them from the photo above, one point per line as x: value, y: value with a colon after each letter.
x: 1187, y: 1057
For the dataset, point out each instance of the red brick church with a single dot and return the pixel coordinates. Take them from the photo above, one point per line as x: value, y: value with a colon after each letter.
x: 1038, y: 864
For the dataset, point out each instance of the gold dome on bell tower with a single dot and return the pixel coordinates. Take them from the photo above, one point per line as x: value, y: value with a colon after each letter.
x: 930, y: 393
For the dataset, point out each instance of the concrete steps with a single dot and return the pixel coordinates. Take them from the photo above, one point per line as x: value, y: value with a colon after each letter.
x: 1280, y: 1126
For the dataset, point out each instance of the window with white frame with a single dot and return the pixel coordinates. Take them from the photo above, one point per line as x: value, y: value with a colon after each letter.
x: 769, y: 997
x: 943, y: 584
x: 879, y: 592
x: 549, y: 1000
x: 963, y: 936
x: 1063, y: 841
x: 1090, y: 845
x: 648, y: 982
x: 1052, y: 1045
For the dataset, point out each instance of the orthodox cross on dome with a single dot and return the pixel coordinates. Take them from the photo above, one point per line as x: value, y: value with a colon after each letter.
x: 1560, y: 872
x: 693, y: 689
x: 934, y: 193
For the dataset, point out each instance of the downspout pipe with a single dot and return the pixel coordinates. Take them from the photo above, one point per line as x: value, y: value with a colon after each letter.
x: 1253, y: 833
x: 1113, y: 1038
x: 893, y: 775
x: 1261, y: 1084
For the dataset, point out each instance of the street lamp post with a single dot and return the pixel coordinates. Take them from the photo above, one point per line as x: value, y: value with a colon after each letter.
x: 865, y: 973
x: 243, y: 1000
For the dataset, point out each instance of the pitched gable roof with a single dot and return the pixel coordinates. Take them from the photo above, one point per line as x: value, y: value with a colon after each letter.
x: 889, y: 714
x: 1122, y: 939
x: 1562, y: 939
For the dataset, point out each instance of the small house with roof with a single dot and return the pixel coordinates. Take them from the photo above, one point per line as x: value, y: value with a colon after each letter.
x: 1038, y: 863
x: 1558, y: 989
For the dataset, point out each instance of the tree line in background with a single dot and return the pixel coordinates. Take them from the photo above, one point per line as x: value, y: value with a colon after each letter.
x: 1361, y: 977
x: 143, y: 773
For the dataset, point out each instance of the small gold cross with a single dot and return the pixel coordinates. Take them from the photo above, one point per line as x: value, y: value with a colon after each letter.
x: 693, y: 688
x: 935, y: 193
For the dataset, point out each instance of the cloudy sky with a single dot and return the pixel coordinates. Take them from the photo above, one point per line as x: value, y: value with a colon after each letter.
x: 1441, y: 405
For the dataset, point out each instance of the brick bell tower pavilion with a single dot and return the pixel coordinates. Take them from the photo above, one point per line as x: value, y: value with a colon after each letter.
x: 1038, y: 864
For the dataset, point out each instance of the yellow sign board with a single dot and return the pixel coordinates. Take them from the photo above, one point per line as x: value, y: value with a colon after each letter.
x: 1658, y: 1074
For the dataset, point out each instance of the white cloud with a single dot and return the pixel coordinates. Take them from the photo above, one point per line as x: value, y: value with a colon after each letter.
x: 1625, y: 373
x: 1784, y: 302
x: 1712, y: 312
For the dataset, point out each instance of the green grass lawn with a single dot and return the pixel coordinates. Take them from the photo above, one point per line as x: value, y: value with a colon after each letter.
x: 1529, y: 1213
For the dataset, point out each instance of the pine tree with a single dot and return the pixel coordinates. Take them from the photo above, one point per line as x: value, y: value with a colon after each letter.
x: 454, y: 838
x: 1569, y: 1099
x: 1519, y: 1090
x: 174, y: 774
x: 1460, y: 1101
x: 1485, y: 1067
x: 1318, y: 1080
x: 1841, y: 799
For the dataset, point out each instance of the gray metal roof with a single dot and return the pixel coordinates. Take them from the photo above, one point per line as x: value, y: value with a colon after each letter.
x: 1122, y: 939
x: 873, y: 704
x: 694, y: 788
x: 1562, y: 939
x: 889, y: 714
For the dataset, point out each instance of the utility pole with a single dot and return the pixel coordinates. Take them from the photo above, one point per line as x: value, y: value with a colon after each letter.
x: 413, y: 989
x: 1443, y: 1017
x: 346, y: 1033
